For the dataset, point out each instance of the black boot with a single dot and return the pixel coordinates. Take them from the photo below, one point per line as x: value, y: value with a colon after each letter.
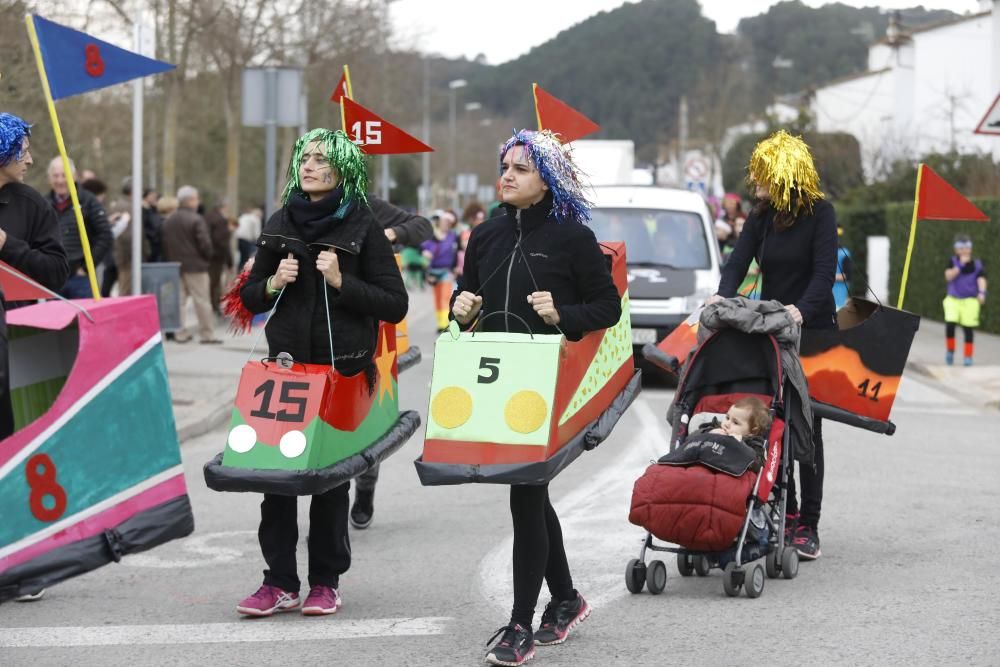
x: 363, y: 510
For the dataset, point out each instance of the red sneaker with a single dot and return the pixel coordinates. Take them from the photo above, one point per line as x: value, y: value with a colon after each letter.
x: 267, y: 600
x: 322, y: 601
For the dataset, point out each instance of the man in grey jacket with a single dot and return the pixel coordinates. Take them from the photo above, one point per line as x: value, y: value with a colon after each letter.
x: 186, y: 240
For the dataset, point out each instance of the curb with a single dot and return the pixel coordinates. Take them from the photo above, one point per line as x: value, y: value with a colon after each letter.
x: 214, y: 418
x: 922, y: 370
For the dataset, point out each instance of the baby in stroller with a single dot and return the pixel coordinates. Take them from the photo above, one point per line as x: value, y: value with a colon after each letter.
x: 735, y: 444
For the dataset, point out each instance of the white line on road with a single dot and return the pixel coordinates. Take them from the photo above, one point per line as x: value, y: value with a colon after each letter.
x: 594, y: 514
x: 257, y: 630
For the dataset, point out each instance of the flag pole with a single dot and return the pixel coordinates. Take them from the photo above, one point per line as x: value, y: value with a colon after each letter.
x: 70, y: 182
x: 347, y: 80
x: 913, y: 233
x: 538, y: 115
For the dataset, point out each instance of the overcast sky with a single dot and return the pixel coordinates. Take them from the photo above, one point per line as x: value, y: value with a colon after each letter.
x: 504, y: 30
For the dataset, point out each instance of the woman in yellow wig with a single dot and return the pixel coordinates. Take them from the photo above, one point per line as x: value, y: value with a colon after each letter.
x: 792, y: 234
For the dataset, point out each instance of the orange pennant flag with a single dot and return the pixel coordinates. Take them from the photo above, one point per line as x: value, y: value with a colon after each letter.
x: 554, y: 114
x: 340, y: 91
x: 937, y: 200
x: 377, y: 136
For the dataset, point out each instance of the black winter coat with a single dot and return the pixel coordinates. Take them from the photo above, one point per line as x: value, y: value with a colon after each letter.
x: 563, y: 257
x: 95, y: 221
x: 33, y: 245
x: 372, y: 290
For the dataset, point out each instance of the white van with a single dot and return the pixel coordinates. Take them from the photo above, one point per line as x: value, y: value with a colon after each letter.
x: 671, y: 251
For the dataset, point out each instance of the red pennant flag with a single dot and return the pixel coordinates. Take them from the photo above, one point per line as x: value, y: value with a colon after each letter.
x: 937, y: 200
x: 554, y: 114
x: 377, y: 136
x: 340, y: 91
x: 18, y: 287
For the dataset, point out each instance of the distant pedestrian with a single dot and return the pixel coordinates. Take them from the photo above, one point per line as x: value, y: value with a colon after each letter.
x: 95, y: 221
x: 845, y: 268
x: 222, y: 254
x: 186, y: 240
x: 247, y: 232
x: 441, y: 253
x: 966, y: 278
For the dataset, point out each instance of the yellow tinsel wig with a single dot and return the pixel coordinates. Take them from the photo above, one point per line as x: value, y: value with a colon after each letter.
x: 784, y: 164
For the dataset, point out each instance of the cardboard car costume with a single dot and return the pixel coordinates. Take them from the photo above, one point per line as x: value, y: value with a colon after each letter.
x: 93, y: 471
x: 302, y: 429
x: 512, y: 408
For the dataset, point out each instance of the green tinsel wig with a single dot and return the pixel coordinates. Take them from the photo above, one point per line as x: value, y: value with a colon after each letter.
x: 344, y: 156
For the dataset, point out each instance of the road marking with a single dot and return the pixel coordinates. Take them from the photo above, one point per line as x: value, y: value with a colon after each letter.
x: 595, y: 516
x: 220, y: 633
x: 196, y: 551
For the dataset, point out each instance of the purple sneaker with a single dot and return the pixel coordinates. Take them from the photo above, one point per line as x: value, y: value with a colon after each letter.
x: 267, y: 600
x: 322, y: 601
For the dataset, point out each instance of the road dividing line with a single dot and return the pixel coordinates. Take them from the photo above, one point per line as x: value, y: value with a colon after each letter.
x: 594, y: 517
x: 256, y: 630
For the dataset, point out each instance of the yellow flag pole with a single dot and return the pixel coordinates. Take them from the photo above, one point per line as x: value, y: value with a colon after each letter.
x: 538, y: 116
x: 347, y: 78
x: 343, y: 112
x: 70, y: 182
x: 913, y: 234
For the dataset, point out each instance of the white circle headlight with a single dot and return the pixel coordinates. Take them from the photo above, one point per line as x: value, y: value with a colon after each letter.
x: 242, y: 438
x: 292, y: 444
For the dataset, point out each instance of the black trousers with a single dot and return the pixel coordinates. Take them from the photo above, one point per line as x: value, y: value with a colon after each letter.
x: 328, y: 540
x: 538, y: 551
x: 811, y: 482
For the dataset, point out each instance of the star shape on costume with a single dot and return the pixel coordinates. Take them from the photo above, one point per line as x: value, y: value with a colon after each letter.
x: 384, y: 363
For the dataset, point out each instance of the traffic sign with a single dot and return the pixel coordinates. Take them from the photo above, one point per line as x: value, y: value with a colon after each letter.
x: 990, y: 124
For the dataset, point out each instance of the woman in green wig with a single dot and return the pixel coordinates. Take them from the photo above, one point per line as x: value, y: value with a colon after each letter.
x: 323, y: 239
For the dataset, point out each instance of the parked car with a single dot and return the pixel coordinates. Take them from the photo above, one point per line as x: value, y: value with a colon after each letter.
x: 672, y: 255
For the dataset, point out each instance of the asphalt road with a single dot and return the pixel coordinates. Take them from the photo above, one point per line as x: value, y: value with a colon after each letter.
x: 910, y: 527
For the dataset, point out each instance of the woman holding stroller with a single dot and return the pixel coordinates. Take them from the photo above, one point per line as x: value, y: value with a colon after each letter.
x: 792, y: 234
x: 536, y: 263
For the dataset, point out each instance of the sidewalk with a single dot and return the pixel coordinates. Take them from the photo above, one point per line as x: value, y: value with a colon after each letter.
x: 977, y: 385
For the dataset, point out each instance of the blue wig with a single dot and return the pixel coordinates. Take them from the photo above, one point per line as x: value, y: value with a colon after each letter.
x: 13, y: 132
x: 555, y: 165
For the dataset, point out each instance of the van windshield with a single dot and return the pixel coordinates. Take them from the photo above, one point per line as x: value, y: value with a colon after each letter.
x: 655, y: 236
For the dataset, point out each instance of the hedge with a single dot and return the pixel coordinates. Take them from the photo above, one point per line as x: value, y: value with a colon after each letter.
x: 926, y: 286
x: 860, y: 222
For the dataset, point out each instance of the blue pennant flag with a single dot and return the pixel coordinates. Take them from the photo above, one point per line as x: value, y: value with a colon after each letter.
x: 76, y: 63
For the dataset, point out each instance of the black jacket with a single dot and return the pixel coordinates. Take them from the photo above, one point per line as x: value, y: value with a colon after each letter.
x: 33, y: 244
x: 411, y: 229
x: 798, y: 265
x: 95, y: 220
x: 372, y: 290
x: 563, y: 257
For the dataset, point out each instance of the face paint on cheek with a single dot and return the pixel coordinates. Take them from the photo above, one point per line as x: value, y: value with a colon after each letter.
x: 327, y: 178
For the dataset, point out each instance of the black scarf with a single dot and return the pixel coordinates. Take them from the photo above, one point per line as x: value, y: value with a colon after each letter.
x: 313, y: 218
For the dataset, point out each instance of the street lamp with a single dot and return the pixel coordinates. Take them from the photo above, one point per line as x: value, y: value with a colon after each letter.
x: 473, y: 106
x: 453, y: 85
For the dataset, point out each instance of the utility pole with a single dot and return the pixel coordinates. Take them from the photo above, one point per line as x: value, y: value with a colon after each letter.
x: 425, y: 158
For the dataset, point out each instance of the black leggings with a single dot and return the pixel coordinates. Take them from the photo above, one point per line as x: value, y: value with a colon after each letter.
x: 812, y: 483
x: 538, y: 551
x: 950, y: 327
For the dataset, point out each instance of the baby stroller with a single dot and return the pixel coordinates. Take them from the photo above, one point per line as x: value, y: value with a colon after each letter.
x: 718, y: 520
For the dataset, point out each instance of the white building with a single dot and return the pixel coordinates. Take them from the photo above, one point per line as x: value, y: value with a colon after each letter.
x: 925, y: 91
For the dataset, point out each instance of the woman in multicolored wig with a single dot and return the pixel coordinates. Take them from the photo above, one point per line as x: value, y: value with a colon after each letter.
x: 323, y: 239
x: 536, y: 260
x: 792, y: 233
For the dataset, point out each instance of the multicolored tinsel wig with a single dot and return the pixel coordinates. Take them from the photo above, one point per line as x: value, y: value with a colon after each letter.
x: 784, y: 165
x: 556, y: 167
x: 344, y: 156
x: 13, y: 132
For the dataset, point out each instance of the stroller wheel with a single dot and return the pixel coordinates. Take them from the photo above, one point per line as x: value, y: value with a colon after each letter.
x: 789, y: 562
x: 771, y: 563
x: 656, y: 577
x: 701, y: 566
x: 754, y: 583
x: 685, y: 564
x: 635, y: 575
x: 732, y: 579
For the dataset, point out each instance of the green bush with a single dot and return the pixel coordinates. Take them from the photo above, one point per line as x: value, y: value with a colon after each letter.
x: 926, y: 286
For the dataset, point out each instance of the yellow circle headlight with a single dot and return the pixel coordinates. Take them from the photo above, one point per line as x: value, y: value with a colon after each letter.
x: 525, y: 411
x: 452, y: 407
